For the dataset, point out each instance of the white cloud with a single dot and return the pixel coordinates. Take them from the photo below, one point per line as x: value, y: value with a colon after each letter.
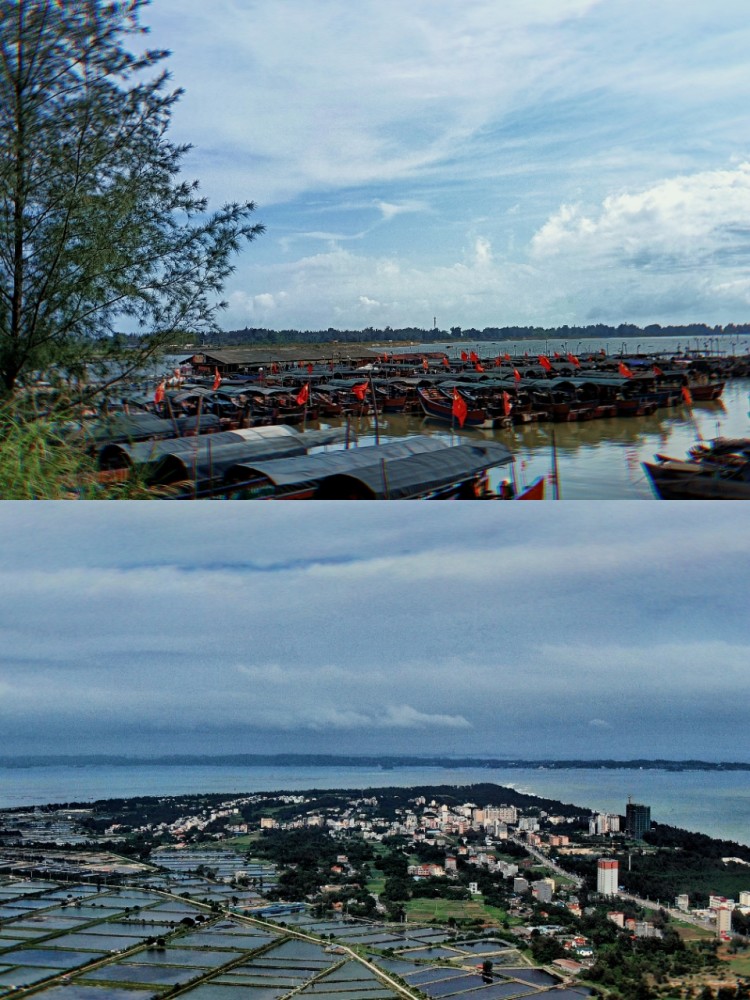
x: 678, y: 222
x: 390, y: 210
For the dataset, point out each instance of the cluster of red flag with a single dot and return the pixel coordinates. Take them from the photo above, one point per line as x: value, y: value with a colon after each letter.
x: 459, y: 408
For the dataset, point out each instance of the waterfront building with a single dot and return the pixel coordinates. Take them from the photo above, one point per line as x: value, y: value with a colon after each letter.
x: 745, y: 899
x: 607, y: 877
x: 637, y: 820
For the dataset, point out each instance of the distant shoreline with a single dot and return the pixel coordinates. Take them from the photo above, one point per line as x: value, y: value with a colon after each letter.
x: 386, y: 762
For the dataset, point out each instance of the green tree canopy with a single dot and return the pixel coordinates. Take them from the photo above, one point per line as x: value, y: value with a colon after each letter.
x: 97, y: 231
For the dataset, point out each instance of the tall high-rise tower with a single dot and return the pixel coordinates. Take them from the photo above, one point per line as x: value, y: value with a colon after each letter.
x: 637, y: 820
x: 607, y: 877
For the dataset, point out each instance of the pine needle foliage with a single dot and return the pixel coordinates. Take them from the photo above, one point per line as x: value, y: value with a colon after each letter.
x: 98, y: 233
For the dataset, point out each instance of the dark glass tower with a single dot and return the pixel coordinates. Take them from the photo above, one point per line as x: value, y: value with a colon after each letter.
x: 637, y: 820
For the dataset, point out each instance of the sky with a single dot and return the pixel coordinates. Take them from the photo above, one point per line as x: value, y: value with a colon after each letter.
x: 471, y: 162
x: 607, y: 630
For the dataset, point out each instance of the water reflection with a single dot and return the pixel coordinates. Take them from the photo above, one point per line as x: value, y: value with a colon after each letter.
x: 597, y: 459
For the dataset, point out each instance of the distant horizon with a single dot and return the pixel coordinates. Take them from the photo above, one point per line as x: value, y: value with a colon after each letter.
x: 368, y: 760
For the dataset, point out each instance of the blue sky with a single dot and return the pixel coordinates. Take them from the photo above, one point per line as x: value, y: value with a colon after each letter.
x: 484, y: 163
x: 610, y: 629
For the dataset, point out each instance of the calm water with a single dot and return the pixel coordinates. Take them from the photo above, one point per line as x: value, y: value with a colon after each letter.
x: 598, y: 459
x: 716, y: 803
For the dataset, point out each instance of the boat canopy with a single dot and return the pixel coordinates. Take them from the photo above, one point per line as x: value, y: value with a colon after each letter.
x: 306, y: 469
x: 397, y: 469
x: 414, y: 475
x: 255, y: 441
x: 127, y: 427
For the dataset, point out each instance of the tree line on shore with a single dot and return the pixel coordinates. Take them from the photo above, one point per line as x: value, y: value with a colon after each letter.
x: 260, y: 336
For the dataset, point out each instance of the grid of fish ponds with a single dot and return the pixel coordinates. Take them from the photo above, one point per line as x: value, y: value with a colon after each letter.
x: 128, y: 945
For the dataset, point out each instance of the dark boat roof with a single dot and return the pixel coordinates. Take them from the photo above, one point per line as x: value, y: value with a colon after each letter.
x: 312, y: 468
x: 404, y: 476
x: 416, y: 474
x: 197, y: 452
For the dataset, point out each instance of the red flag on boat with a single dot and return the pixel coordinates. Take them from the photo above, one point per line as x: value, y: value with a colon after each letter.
x: 464, y: 356
x: 506, y: 404
x: 303, y: 395
x: 425, y: 364
x: 474, y: 357
x: 516, y: 375
x: 687, y: 395
x: 498, y: 361
x: 574, y: 360
x: 657, y: 370
x: 360, y: 391
x: 624, y: 370
x: 602, y: 352
x: 478, y: 367
x: 310, y: 368
x: 275, y: 368
x: 459, y: 408
x: 159, y: 394
x: 507, y: 356
x: 544, y: 362
x: 557, y: 356
x: 446, y: 363
x: 217, y: 379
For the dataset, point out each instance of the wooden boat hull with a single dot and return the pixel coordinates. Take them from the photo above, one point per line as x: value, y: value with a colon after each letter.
x: 675, y: 480
x: 444, y: 411
x: 702, y: 393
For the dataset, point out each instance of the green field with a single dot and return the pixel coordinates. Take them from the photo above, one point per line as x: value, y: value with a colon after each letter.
x: 425, y: 910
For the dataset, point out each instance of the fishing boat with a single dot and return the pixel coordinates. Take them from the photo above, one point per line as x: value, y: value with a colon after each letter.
x: 435, y: 403
x: 716, y: 470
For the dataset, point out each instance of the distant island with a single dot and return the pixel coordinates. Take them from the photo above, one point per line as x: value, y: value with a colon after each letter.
x: 387, y: 762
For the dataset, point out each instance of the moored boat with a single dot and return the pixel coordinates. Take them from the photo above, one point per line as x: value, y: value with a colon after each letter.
x: 716, y: 470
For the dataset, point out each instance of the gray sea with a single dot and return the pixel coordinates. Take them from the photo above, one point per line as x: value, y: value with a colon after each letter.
x: 712, y: 802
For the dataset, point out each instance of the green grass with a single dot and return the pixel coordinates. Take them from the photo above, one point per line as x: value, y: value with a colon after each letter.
x: 240, y: 842
x: 425, y: 910
x: 739, y: 964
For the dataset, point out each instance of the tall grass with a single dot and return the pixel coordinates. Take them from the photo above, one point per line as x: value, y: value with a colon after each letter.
x: 41, y: 460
